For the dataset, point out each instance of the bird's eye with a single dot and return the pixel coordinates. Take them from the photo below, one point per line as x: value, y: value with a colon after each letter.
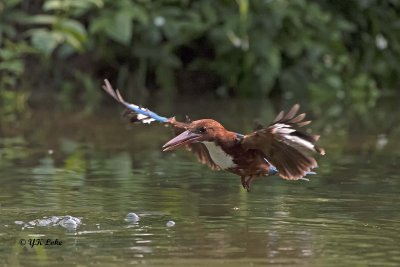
x: 202, y: 129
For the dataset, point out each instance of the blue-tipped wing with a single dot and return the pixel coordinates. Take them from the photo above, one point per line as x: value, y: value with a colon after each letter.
x: 136, y: 113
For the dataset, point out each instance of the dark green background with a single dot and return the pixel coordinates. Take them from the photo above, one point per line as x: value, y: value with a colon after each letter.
x: 315, y: 51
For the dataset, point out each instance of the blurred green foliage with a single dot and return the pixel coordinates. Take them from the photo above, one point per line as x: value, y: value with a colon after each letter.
x: 320, y: 51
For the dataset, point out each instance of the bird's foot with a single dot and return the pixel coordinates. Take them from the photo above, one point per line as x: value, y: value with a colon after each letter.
x: 248, y: 188
x: 246, y: 184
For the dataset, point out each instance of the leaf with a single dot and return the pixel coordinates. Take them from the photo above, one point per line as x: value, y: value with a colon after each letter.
x: 6, y: 54
x: 65, y: 51
x: 140, y: 14
x: 99, y: 24
x: 75, y: 5
x: 243, y: 9
x: 12, y: 3
x: 97, y: 3
x: 74, y: 33
x: 15, y: 66
x: 74, y: 42
x: 73, y: 26
x: 46, y: 41
x: 38, y: 19
x: 120, y: 30
x: 53, y: 5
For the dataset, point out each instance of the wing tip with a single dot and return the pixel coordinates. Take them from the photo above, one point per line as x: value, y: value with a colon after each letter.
x: 320, y: 150
x: 114, y: 93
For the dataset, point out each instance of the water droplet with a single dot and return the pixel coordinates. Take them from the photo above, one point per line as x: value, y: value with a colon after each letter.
x: 170, y: 224
x: 132, y: 217
x: 70, y: 222
x: 381, y: 141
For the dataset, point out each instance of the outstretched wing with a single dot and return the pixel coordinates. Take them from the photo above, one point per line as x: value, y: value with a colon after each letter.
x: 287, y: 148
x: 136, y: 114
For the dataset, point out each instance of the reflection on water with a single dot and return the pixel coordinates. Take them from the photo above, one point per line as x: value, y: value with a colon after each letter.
x: 97, y: 170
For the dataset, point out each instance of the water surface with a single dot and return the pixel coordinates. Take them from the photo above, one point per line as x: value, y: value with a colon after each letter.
x: 98, y: 169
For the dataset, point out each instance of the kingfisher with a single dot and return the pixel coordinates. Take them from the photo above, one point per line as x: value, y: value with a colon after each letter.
x: 279, y: 148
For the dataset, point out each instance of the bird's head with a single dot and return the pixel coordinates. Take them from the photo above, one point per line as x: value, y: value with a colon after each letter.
x: 196, y: 131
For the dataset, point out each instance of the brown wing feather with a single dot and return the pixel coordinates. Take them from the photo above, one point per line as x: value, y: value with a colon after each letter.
x: 202, y: 154
x: 287, y: 148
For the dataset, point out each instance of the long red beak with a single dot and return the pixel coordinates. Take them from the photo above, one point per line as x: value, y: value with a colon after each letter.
x: 184, y: 138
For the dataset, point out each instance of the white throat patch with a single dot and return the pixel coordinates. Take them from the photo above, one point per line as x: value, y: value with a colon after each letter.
x: 219, y: 156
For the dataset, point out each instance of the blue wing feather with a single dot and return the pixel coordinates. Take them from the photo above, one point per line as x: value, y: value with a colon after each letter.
x: 143, y: 115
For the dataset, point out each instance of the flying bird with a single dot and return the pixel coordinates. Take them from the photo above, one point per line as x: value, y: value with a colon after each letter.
x: 279, y: 148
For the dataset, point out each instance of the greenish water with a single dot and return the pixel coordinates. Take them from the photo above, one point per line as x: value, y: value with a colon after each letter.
x: 99, y: 169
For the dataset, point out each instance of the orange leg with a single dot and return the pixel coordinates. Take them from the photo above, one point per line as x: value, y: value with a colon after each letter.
x: 249, y: 181
x: 243, y: 181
